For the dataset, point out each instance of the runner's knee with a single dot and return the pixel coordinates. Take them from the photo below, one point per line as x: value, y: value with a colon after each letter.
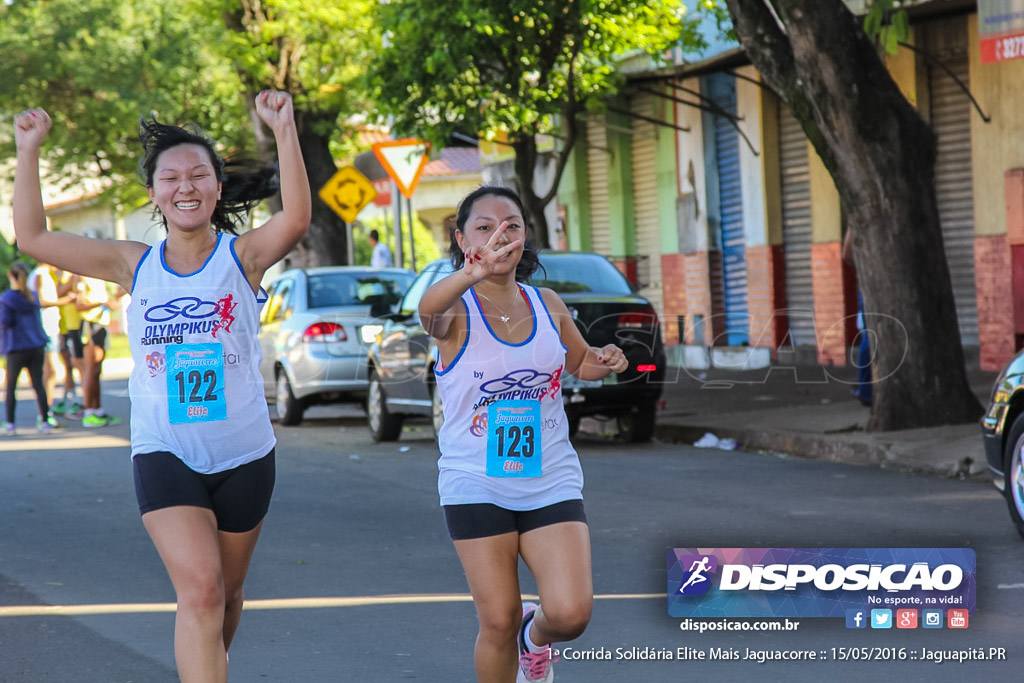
x: 500, y: 622
x: 202, y: 592
x: 565, y: 619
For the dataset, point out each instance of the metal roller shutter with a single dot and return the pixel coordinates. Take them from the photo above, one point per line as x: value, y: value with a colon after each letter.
x: 796, y: 228
x: 734, y: 248
x: 954, y: 188
x: 645, y: 201
x: 597, y: 175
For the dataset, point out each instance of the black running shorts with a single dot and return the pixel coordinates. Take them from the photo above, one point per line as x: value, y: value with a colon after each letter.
x: 479, y: 520
x: 239, y: 497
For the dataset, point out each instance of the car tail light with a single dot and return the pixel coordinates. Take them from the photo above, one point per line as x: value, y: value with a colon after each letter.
x: 324, y: 332
x: 646, y: 368
x: 638, y: 320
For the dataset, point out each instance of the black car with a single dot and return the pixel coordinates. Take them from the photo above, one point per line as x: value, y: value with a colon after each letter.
x: 1002, y: 429
x: 604, y: 306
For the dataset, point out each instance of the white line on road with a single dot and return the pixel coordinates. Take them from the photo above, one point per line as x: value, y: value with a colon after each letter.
x: 278, y: 603
x: 1010, y: 586
x: 66, y: 441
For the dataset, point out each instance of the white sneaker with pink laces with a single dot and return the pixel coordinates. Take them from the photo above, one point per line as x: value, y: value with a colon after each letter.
x: 534, y: 667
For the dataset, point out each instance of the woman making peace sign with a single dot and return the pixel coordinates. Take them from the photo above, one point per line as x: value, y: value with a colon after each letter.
x: 510, y: 480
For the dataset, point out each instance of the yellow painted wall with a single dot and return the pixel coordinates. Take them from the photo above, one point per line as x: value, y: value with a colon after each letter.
x: 903, y: 67
x: 771, y: 169
x: 826, y: 217
x: 997, y: 146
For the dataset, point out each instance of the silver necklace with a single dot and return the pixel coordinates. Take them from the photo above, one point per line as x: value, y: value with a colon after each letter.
x: 501, y: 312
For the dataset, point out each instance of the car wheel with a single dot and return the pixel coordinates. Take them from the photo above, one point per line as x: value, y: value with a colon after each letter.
x: 637, y: 425
x: 289, y: 409
x: 436, y: 409
x: 1014, y: 469
x: 384, y: 426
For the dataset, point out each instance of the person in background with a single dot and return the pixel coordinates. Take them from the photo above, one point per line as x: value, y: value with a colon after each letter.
x: 72, y: 351
x: 381, y: 257
x: 93, y: 300
x: 23, y: 342
x: 43, y: 283
x: 863, y: 390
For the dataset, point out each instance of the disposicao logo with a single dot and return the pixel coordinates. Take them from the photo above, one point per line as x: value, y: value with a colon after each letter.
x: 818, y: 582
x: 697, y: 581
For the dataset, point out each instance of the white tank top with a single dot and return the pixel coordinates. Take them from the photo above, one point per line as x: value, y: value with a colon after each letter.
x: 523, y: 459
x: 196, y: 388
x: 43, y: 277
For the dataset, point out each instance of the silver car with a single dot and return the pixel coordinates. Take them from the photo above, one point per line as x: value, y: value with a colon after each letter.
x: 314, y: 333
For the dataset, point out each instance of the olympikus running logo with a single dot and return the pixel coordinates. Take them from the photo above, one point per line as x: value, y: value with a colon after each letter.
x: 185, y: 316
x: 521, y: 385
x: 189, y: 307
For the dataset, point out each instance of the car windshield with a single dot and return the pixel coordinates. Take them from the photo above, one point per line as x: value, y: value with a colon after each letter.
x: 357, y: 288
x: 574, y: 273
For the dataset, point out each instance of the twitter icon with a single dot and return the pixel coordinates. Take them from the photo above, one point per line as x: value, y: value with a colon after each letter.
x: 881, y: 618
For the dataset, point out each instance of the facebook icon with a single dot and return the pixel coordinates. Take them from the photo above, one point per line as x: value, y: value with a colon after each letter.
x: 856, y: 618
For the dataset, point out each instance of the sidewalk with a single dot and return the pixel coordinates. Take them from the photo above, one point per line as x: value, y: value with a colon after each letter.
x: 808, y: 412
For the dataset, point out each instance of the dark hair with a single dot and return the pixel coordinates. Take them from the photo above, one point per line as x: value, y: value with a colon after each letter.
x: 375, y: 236
x: 528, y: 264
x: 20, y: 271
x: 243, y: 183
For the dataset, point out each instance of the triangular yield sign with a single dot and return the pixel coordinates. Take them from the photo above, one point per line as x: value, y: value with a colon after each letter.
x: 404, y: 160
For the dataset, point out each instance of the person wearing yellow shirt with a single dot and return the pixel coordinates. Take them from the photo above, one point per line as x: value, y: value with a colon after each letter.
x: 72, y: 351
x: 43, y: 284
x: 93, y: 305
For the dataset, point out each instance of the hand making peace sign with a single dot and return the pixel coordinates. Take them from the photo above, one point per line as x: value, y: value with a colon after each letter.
x: 484, y: 261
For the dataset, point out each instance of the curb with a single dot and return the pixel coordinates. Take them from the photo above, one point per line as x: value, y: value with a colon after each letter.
x: 865, y: 450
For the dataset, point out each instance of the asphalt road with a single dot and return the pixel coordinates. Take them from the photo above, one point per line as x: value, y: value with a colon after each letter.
x: 355, y: 580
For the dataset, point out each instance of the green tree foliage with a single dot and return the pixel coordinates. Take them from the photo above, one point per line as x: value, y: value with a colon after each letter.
x: 8, y: 255
x: 98, y: 66
x: 887, y: 25
x: 522, y: 68
x: 317, y: 51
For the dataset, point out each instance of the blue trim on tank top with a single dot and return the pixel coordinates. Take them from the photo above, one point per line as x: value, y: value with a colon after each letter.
x: 231, y: 248
x: 135, y: 275
x: 533, y: 316
x: 544, y: 304
x: 465, y: 343
x: 163, y: 262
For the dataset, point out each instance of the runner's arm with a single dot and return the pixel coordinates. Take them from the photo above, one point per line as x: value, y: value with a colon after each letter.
x: 108, y: 260
x: 581, y: 359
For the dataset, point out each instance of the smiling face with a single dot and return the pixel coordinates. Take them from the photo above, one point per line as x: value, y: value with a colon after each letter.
x: 486, y: 214
x: 185, y: 187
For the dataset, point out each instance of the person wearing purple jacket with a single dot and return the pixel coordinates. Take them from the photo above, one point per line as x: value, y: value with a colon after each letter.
x: 23, y: 342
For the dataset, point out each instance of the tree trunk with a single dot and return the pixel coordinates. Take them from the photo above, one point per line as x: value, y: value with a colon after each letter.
x: 881, y: 156
x: 525, y: 165
x: 325, y: 243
